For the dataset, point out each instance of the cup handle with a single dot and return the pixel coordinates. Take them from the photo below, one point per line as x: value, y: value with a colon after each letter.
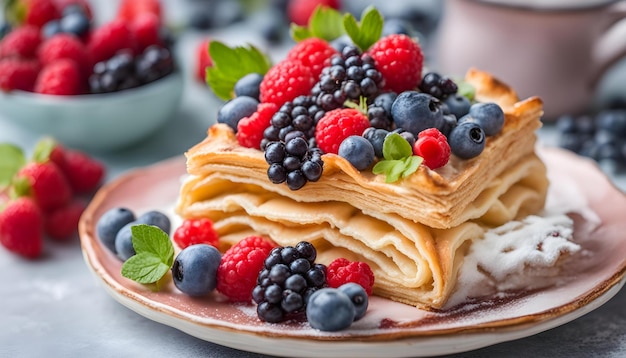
x: 611, y: 46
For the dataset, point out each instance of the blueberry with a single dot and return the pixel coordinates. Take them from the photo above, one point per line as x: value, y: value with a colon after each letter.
x: 195, y: 269
x: 155, y: 218
x: 358, y: 296
x: 467, y: 140
x: 376, y: 137
x: 450, y: 122
x: 489, y: 115
x: 566, y: 124
x: 398, y: 26
x: 330, y: 309
x: 236, y: 109
x: 124, y: 242
x: 51, y: 28
x: 110, y: 223
x: 358, y: 151
x: 415, y: 111
x: 457, y: 104
x: 612, y: 120
x: 75, y: 23
x: 248, y: 85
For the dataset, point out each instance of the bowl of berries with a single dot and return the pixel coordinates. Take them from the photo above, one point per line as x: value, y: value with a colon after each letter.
x: 94, y: 87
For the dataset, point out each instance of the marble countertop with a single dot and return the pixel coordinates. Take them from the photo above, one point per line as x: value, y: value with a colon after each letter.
x: 56, y: 307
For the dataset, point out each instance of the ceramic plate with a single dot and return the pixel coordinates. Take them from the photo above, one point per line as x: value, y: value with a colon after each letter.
x: 389, y: 329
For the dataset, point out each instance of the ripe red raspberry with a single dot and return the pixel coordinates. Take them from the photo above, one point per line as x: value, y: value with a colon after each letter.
x: 21, y: 42
x: 83, y: 172
x: 250, y: 129
x: 195, y: 231
x: 337, y: 125
x: 342, y: 271
x: 130, y: 9
x: 21, y: 227
x: 45, y: 183
x: 146, y: 31
x: 314, y: 53
x: 203, y: 60
x: 65, y: 46
x: 240, y: 266
x: 399, y: 59
x: 62, y: 223
x: 37, y: 12
x: 286, y: 81
x: 299, y: 11
x: 108, y: 39
x: 433, y: 146
x: 62, y: 77
x: 17, y: 74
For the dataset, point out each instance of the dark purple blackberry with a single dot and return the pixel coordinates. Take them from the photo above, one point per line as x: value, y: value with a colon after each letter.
x: 293, y: 162
x: 437, y: 86
x: 289, y: 276
x: 350, y: 76
x: 379, y: 118
x: 300, y: 115
x: 155, y: 62
x: 114, y: 74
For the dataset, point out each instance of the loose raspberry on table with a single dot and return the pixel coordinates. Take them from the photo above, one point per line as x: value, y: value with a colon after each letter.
x: 240, y: 266
x: 400, y: 59
x: 314, y: 53
x: 83, y: 172
x: 17, y: 74
x: 342, y: 271
x: 21, y: 228
x: 286, y: 81
x: 65, y: 46
x: 108, y: 39
x: 62, y: 223
x: 195, y: 231
x: 250, y: 129
x: 432, y: 145
x: 45, y: 183
x: 61, y: 77
x: 21, y: 42
x: 337, y: 125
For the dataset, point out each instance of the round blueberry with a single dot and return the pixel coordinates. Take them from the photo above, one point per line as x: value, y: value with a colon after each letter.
x: 467, y: 140
x: 155, y: 218
x: 450, y: 121
x: 358, y: 296
x: 329, y: 309
x: 195, y: 269
x: 124, y: 242
x: 376, y: 137
x: 489, y: 115
x: 110, y: 224
x: 612, y: 120
x: 457, y: 104
x: 75, y: 23
x: 51, y: 28
x: 415, y: 111
x: 235, y: 109
x: 358, y: 151
x: 248, y: 85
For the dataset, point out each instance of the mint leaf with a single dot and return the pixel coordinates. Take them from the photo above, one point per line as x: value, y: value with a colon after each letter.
x: 368, y: 31
x: 154, y: 254
x: 396, y: 147
x: 12, y: 159
x: 411, y: 164
x: 325, y: 23
x: 466, y: 89
x: 230, y: 64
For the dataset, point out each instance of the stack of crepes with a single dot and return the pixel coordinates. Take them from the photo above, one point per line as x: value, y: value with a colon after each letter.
x: 413, y: 233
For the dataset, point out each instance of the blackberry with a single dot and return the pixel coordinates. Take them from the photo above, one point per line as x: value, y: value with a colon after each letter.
x: 289, y: 277
x: 293, y: 161
x: 350, y: 76
x: 155, y: 62
x: 437, y: 86
x: 299, y: 115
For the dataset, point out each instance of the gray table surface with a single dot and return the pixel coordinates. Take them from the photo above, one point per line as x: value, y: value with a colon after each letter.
x: 56, y: 307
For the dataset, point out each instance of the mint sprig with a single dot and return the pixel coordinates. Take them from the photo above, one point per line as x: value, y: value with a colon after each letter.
x: 12, y: 159
x: 232, y: 63
x: 399, y: 160
x: 154, y: 254
x: 366, y: 32
x: 325, y: 23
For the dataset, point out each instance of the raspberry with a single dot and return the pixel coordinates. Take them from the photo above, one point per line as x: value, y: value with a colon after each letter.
x: 21, y: 42
x: 314, y: 53
x: 62, y: 223
x: 342, y: 271
x: 400, y: 61
x: 146, y: 31
x: 108, y: 39
x: 195, y: 231
x: 337, y: 125
x: 240, y: 266
x: 286, y: 81
x: 61, y: 77
x: 21, y: 228
x: 65, y: 46
x: 39, y: 12
x: 433, y: 146
x: 16, y: 74
x: 45, y: 183
x: 250, y: 129
x: 299, y: 11
x: 83, y: 172
x: 130, y: 9
x: 203, y: 60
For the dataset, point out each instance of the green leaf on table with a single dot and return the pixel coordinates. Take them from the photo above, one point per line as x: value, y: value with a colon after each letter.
x: 399, y: 161
x: 366, y: 32
x: 12, y: 158
x: 154, y: 254
x: 232, y: 63
x: 325, y: 23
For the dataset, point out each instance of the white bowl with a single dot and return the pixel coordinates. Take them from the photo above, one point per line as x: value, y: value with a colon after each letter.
x: 97, y: 122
